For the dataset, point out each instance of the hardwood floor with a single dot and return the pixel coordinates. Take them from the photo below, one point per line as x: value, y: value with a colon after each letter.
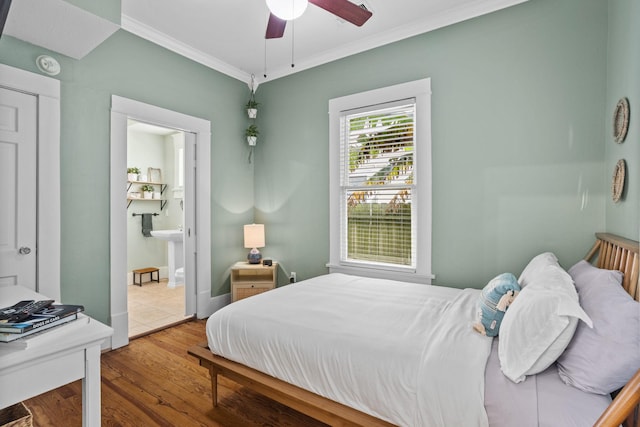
x: 154, y: 382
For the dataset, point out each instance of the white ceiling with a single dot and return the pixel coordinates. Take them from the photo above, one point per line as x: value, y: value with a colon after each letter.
x: 58, y: 26
x: 228, y: 35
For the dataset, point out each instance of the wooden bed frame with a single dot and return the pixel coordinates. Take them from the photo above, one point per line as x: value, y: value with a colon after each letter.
x: 617, y: 253
x: 614, y: 253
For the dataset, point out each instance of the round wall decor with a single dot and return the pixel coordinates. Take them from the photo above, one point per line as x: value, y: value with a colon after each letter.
x: 618, y: 180
x: 621, y: 120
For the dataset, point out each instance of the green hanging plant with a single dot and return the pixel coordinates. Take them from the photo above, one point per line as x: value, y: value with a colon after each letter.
x: 252, y: 130
x: 252, y: 134
x: 252, y: 107
x: 252, y: 104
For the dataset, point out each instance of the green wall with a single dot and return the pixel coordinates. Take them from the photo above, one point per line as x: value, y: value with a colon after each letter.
x: 128, y: 66
x: 518, y: 140
x: 522, y: 147
x: 623, y: 80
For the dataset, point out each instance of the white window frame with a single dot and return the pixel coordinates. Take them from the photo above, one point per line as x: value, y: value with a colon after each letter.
x: 420, y: 90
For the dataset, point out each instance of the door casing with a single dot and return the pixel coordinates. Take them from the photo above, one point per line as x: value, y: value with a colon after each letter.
x: 123, y: 109
x: 47, y: 92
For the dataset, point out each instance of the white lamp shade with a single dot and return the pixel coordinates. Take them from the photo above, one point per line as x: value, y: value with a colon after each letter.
x: 287, y: 9
x: 254, y: 236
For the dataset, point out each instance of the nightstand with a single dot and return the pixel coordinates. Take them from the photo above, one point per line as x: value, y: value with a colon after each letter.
x: 252, y: 279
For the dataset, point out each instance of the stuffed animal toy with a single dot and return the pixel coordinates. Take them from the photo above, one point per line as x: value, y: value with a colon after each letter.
x: 495, y: 298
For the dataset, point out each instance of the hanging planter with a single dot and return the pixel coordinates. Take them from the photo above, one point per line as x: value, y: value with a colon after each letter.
x: 252, y: 111
x: 252, y: 135
x: 252, y: 108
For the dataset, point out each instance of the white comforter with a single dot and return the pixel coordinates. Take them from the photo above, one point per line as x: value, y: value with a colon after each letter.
x: 402, y: 352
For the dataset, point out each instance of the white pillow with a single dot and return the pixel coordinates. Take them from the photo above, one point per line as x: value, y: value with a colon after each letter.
x: 539, y: 324
x: 535, y: 267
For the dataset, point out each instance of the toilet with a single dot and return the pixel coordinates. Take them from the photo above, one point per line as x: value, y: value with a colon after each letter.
x: 179, y: 277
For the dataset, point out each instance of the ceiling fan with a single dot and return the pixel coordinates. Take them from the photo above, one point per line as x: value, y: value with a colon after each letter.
x: 4, y: 12
x: 343, y: 9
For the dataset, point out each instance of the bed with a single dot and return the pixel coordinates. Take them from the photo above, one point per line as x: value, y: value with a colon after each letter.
x: 353, y: 351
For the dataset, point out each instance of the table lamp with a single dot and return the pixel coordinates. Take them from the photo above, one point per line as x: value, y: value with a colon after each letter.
x: 254, y: 239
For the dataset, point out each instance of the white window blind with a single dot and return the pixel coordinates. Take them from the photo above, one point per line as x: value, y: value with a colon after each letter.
x: 380, y: 183
x: 377, y: 184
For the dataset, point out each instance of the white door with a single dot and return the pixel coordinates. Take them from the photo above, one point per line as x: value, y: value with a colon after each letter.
x: 190, y: 242
x: 18, y: 191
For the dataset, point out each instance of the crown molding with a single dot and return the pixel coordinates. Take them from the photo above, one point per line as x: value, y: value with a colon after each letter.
x: 434, y: 22
x: 146, y: 32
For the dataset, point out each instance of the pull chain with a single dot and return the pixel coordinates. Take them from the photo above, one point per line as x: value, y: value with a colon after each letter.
x: 293, y: 37
x: 265, y: 57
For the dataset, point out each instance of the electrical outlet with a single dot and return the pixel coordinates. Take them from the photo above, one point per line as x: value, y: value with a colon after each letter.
x: 292, y: 277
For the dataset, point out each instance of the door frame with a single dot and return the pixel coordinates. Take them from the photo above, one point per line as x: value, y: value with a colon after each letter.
x: 123, y: 109
x: 47, y: 92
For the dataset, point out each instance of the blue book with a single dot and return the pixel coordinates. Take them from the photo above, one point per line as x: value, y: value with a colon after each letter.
x: 41, y: 318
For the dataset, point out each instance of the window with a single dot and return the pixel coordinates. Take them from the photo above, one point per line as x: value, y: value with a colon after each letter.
x: 380, y: 183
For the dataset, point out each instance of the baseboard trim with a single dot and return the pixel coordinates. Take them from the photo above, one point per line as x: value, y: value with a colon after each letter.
x: 213, y: 304
x: 119, y: 323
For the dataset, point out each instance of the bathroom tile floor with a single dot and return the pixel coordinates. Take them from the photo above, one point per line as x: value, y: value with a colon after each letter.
x: 154, y: 306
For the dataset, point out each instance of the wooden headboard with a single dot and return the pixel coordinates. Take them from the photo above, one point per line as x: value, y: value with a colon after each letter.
x: 617, y: 253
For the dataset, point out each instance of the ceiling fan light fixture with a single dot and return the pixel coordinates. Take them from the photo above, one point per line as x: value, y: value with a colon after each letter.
x: 287, y: 9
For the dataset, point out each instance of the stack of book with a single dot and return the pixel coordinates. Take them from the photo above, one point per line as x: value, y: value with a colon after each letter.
x: 30, y: 318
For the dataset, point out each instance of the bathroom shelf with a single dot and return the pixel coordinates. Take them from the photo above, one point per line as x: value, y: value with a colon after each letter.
x: 163, y: 187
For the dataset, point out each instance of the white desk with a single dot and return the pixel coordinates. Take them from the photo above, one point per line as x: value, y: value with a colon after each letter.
x: 64, y: 358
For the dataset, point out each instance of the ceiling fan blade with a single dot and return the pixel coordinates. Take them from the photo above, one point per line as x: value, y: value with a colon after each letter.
x: 275, y: 27
x: 4, y: 12
x: 344, y: 9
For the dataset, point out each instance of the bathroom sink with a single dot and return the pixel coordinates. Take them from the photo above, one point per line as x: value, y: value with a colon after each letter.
x: 169, y: 235
x: 175, y: 252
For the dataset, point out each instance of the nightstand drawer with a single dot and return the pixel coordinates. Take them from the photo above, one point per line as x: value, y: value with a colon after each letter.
x: 244, y: 291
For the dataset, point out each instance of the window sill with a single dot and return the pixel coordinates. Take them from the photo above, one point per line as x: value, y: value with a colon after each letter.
x: 401, y: 274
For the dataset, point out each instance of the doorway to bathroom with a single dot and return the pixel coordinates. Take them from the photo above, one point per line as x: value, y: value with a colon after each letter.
x: 196, y: 208
x: 155, y: 248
